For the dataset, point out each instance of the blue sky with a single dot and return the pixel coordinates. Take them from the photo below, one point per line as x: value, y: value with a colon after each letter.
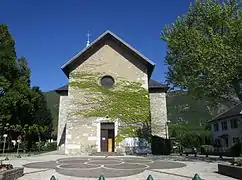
x: 48, y: 33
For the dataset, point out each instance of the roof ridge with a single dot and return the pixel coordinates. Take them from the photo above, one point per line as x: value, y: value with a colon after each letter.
x: 85, y: 48
x: 64, y: 67
x: 226, y: 111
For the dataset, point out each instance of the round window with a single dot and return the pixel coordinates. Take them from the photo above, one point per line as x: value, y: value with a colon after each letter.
x: 107, y: 81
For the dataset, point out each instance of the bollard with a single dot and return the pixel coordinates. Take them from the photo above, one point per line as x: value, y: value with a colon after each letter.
x: 101, y: 178
x: 196, y: 177
x: 150, y: 178
x: 52, y: 178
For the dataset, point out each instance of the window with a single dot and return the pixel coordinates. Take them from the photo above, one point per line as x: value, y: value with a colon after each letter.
x: 107, y: 81
x: 236, y: 140
x: 234, y: 123
x: 215, y: 127
x: 224, y: 125
x: 226, y: 142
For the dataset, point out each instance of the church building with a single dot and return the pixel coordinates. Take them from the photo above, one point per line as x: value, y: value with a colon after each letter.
x: 110, y: 102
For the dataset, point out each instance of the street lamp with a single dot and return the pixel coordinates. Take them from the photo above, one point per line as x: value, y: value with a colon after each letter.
x: 4, y: 144
x: 4, y: 141
x: 18, y: 155
x: 166, y: 128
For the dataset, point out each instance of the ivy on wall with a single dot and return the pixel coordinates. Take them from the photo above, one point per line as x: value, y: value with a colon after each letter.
x: 127, y: 101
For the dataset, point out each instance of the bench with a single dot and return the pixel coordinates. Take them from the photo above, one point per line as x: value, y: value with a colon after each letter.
x: 188, y: 151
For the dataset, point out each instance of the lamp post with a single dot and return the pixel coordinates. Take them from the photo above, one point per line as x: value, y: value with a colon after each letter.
x: 4, y: 141
x: 18, y: 141
x: 166, y: 128
x: 4, y: 144
x: 167, y: 142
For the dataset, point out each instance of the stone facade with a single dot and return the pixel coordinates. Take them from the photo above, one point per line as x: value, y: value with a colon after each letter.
x: 158, y: 114
x: 106, y: 61
x: 82, y: 134
x: 63, y: 112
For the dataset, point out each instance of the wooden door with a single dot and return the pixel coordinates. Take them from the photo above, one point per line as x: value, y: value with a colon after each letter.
x: 111, y: 140
x: 104, y: 140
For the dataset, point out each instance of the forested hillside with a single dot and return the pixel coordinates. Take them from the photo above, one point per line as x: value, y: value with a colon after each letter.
x: 182, y: 108
x: 52, y: 99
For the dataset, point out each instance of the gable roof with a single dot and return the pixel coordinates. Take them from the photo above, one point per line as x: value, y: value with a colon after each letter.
x: 152, y: 85
x: 68, y: 66
x: 232, y: 112
x: 156, y: 85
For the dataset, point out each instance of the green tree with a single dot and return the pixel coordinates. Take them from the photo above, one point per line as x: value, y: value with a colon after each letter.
x: 189, y: 136
x: 23, y: 110
x: 205, y: 48
x: 8, y: 73
x: 41, y: 113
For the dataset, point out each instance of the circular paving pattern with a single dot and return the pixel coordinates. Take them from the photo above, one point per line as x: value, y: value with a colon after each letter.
x: 92, y: 167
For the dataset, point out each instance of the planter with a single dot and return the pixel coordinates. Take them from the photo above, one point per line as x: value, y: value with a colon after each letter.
x: 11, y: 174
x: 230, y: 170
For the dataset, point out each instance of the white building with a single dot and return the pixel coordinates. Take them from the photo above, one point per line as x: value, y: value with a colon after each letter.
x: 226, y: 127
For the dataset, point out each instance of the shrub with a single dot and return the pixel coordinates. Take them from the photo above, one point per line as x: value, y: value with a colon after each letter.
x: 236, y: 162
x: 235, y: 150
x: 23, y: 146
x: 50, y: 146
x: 6, y: 166
x: 207, y: 149
x: 40, y: 145
x: 239, y: 162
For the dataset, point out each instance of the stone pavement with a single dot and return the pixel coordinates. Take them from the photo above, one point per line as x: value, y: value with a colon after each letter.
x: 42, y: 167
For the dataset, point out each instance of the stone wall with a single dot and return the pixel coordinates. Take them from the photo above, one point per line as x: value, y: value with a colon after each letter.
x: 63, y: 108
x: 230, y: 171
x: 158, y: 113
x: 82, y: 135
x: 11, y: 174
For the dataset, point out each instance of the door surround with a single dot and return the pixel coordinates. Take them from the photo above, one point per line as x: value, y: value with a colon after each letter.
x: 107, y: 137
x: 104, y: 120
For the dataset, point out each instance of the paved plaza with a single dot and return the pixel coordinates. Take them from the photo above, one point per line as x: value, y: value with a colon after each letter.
x: 63, y: 167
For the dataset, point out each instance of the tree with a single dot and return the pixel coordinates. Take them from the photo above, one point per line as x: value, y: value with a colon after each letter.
x: 41, y: 113
x: 204, y: 50
x: 189, y: 136
x: 8, y: 72
x: 23, y: 110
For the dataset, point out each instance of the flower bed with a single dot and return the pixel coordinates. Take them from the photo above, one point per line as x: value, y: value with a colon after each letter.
x: 5, y: 167
x: 8, y: 172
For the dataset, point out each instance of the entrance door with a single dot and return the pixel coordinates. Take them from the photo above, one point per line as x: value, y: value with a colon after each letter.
x: 107, y: 137
x: 104, y: 140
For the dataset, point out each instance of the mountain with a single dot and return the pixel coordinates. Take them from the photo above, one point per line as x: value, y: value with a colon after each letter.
x: 181, y: 108
x: 52, y: 99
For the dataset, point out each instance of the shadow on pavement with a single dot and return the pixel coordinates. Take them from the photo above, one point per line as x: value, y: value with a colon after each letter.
x: 32, y: 172
x: 173, y: 174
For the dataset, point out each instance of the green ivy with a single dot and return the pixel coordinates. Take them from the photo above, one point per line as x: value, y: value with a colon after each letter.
x: 127, y: 101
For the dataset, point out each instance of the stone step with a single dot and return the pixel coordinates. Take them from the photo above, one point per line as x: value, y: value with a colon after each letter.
x: 106, y: 154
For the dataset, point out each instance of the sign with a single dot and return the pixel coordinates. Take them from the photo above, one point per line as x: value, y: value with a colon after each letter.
x: 92, y: 138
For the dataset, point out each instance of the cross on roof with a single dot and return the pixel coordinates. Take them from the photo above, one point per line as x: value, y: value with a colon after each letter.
x: 88, y: 39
